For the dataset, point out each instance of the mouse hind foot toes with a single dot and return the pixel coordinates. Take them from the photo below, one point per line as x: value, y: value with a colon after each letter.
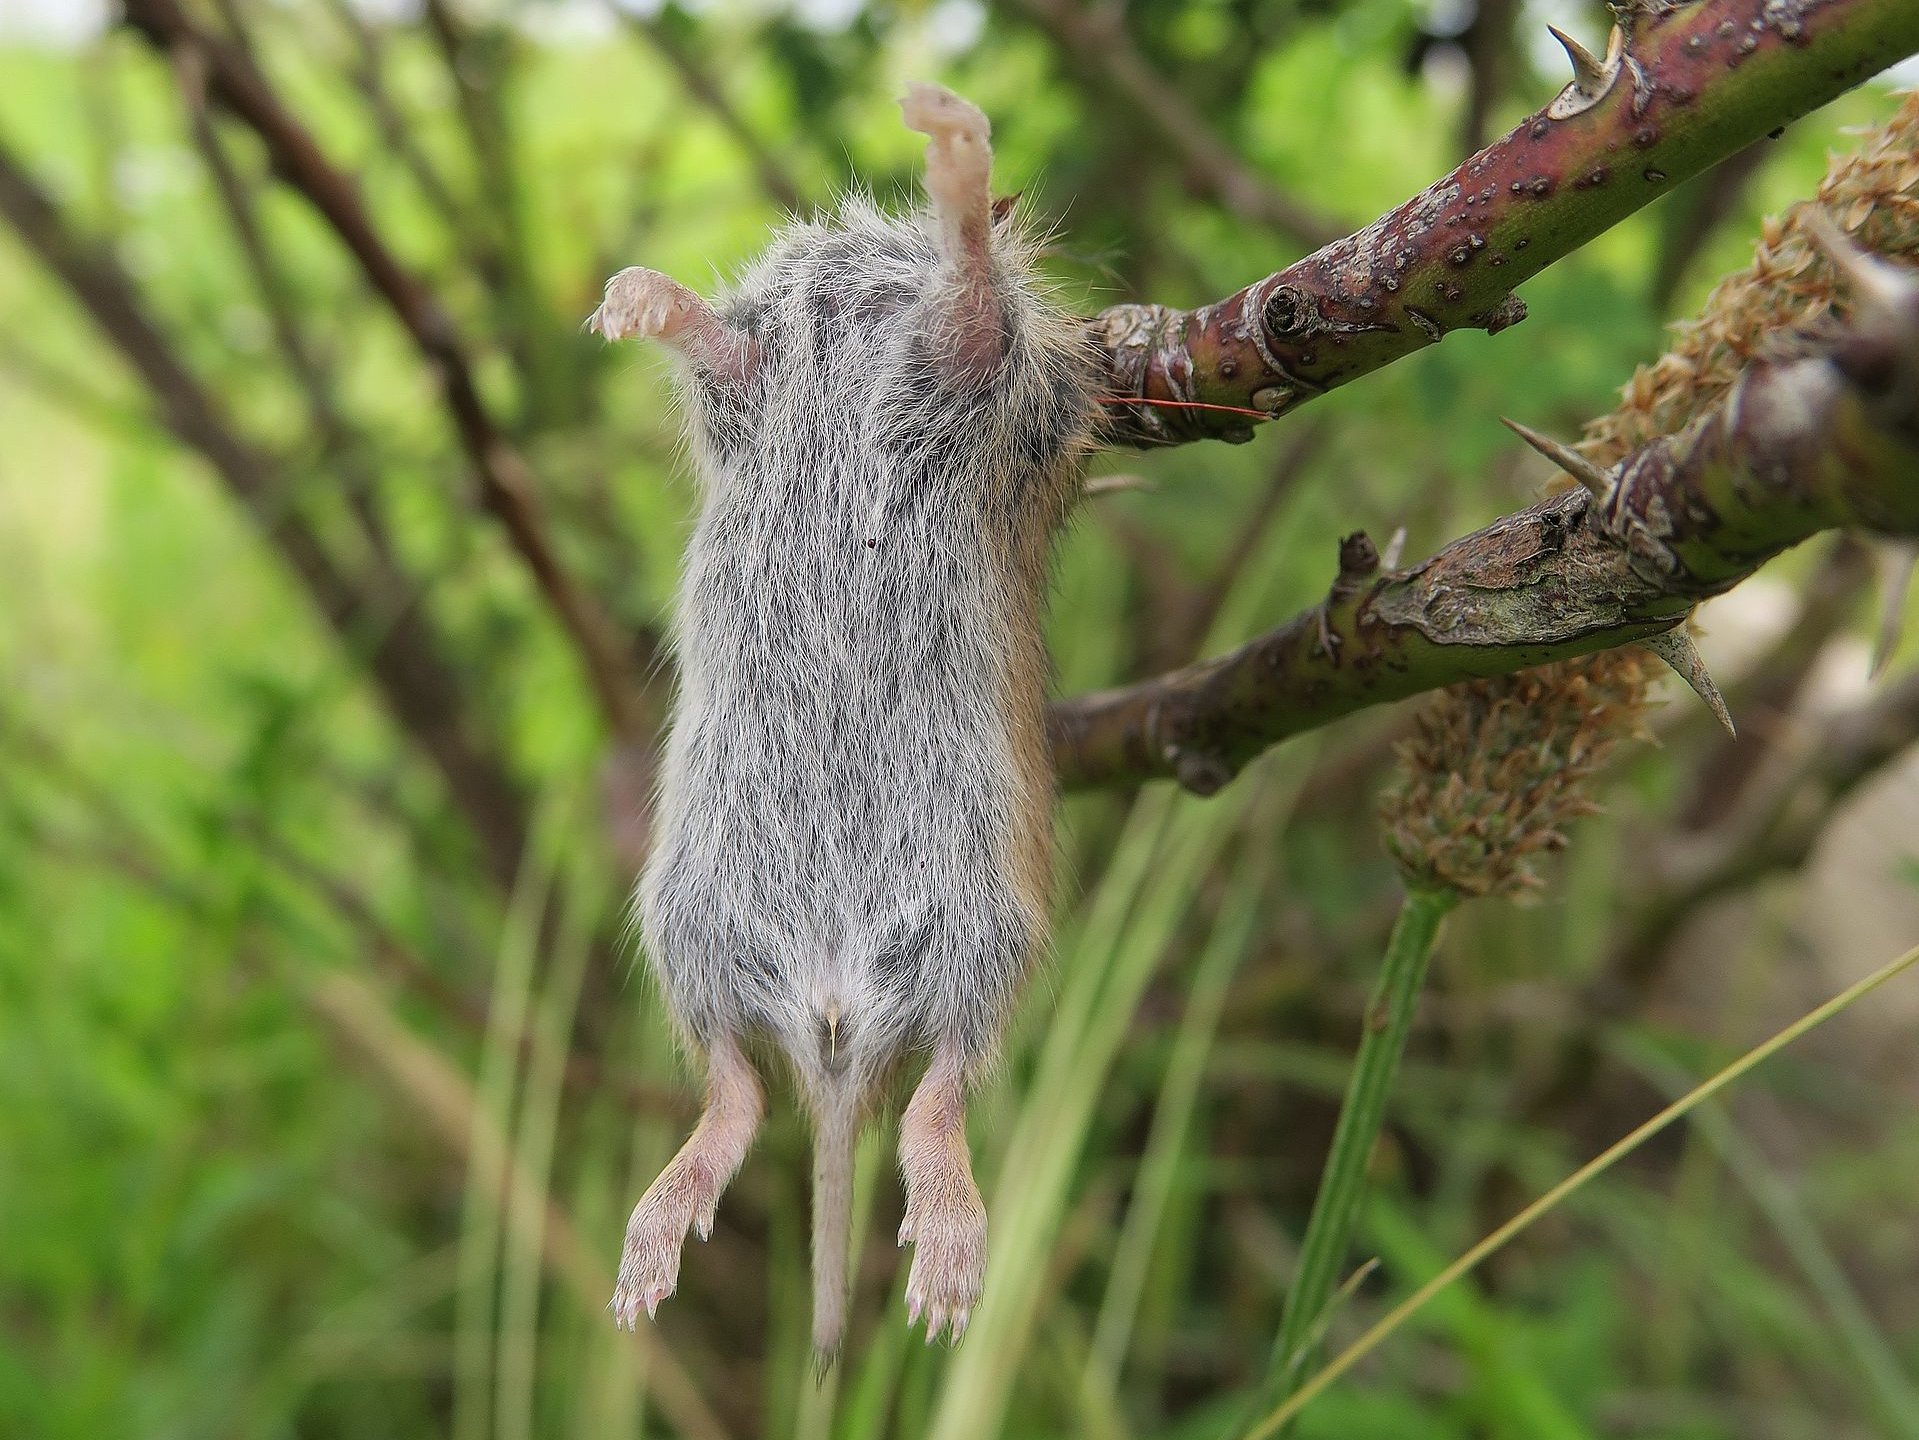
x: 945, y: 1218
x: 687, y: 1194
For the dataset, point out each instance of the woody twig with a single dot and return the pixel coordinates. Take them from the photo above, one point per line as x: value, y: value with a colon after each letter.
x: 1815, y: 441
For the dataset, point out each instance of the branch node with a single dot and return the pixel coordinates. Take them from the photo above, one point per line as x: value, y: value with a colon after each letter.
x: 1201, y: 773
x: 1507, y: 313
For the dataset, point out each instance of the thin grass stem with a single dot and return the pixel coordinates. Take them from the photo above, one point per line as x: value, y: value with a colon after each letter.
x: 1282, y: 1415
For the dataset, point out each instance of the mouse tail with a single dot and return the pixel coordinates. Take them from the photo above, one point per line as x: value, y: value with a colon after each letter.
x: 836, y: 1127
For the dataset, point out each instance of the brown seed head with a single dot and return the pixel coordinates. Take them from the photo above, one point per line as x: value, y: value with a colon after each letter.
x: 1498, y: 768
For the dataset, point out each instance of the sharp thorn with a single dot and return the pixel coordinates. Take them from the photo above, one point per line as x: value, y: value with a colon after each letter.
x: 1587, y: 472
x: 1115, y: 485
x: 1872, y: 281
x: 1589, y: 74
x: 1896, y: 563
x: 1675, y: 647
x: 1395, y: 547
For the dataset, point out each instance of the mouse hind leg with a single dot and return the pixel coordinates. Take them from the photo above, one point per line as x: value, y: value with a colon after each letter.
x: 945, y: 1217
x: 688, y: 1191
x: 959, y: 163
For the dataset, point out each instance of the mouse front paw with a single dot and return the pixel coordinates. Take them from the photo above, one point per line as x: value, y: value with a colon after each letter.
x: 642, y: 302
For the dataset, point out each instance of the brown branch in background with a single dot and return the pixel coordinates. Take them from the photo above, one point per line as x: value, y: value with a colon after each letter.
x: 1693, y: 84
x: 1796, y: 447
x: 1773, y: 831
x: 1490, y: 56
x: 395, y: 130
x: 507, y: 487
x: 340, y: 450
x: 1696, y: 214
x: 404, y: 653
x: 705, y: 91
x: 1770, y: 691
x: 1094, y: 42
x: 478, y: 65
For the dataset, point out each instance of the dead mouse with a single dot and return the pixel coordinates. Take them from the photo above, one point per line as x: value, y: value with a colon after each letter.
x: 854, y: 833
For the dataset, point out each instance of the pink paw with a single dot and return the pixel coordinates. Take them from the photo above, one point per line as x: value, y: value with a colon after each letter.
x: 941, y: 114
x: 949, y: 1265
x: 642, y: 302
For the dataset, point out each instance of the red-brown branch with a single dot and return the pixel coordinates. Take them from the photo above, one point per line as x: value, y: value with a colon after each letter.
x: 1697, y: 82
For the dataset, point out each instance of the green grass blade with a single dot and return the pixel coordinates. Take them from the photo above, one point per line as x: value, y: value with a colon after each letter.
x: 1892, y: 1390
x: 1275, y: 1421
x: 1166, y: 1142
x: 1335, y: 1215
x: 480, y: 1219
x: 521, y: 1267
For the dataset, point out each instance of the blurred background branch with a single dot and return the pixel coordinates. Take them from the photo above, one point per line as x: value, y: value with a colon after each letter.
x: 326, y: 1075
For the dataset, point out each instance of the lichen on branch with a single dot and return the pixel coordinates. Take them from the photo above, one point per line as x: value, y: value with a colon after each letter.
x: 1689, y: 84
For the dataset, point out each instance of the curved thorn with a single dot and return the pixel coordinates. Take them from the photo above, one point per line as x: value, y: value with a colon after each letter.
x: 1589, y: 74
x: 1896, y: 562
x: 1675, y: 647
x: 1587, y: 472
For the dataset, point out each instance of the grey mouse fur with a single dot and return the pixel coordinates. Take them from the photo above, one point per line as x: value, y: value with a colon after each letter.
x: 853, y: 839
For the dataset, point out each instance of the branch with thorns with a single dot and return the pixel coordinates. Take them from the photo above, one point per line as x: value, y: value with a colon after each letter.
x: 1808, y: 442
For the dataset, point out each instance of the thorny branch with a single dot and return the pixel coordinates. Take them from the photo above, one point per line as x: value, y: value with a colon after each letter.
x: 507, y: 485
x: 1797, y: 446
x: 1691, y: 84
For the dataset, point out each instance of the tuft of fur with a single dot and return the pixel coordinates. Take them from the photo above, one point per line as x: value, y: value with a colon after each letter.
x: 853, y: 836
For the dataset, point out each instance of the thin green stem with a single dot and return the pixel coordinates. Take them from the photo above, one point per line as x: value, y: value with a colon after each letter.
x: 1275, y: 1423
x: 1329, y: 1231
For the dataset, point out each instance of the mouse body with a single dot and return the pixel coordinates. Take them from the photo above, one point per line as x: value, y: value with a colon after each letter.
x: 853, y: 840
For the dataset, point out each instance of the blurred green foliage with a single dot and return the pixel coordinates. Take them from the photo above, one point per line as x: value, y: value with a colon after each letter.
x: 231, y: 1203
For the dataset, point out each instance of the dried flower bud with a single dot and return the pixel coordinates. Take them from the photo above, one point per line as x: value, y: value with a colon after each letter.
x: 1498, y: 768
x: 1782, y: 297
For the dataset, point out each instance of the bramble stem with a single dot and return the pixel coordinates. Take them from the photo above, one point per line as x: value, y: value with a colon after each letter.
x: 1696, y: 82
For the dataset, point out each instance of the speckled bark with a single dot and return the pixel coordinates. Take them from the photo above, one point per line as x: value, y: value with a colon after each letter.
x: 1800, y: 446
x: 1695, y: 82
